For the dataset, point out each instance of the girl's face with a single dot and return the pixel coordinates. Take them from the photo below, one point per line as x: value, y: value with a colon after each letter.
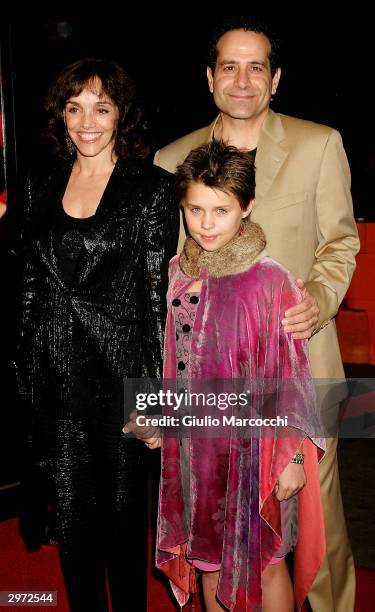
x: 91, y: 121
x: 213, y: 217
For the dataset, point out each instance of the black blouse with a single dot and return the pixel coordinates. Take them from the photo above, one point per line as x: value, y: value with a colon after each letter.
x: 70, y: 235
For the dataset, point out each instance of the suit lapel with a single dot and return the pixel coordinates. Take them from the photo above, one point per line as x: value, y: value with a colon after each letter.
x: 210, y: 129
x: 272, y: 152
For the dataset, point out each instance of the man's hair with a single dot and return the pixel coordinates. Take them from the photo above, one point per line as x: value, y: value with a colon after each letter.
x: 251, y: 25
x: 115, y: 84
x: 221, y: 167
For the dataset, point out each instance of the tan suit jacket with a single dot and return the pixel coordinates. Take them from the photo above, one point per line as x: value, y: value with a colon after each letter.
x: 304, y: 206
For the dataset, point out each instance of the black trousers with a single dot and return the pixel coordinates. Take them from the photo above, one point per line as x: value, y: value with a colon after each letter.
x: 98, y: 481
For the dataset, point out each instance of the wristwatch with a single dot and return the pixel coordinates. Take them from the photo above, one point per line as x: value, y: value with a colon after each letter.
x: 298, y: 458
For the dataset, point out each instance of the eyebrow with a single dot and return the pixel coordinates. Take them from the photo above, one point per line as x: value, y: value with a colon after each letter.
x: 229, y: 61
x: 196, y: 205
x: 72, y: 101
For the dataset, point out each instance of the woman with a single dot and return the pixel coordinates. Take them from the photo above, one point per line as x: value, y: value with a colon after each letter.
x: 99, y: 232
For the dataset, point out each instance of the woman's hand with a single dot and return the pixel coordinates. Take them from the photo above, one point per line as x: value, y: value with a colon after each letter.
x: 290, y: 482
x: 153, y: 443
x: 149, y: 434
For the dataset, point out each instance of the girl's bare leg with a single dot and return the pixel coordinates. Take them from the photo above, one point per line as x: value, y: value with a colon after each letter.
x: 277, y: 591
x: 210, y: 581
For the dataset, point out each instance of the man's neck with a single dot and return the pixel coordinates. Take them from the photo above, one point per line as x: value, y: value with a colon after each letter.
x: 240, y: 133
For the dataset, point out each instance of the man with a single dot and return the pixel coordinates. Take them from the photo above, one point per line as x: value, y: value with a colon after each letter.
x: 304, y: 206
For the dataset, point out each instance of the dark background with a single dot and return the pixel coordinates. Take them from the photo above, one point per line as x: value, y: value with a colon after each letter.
x: 327, y: 77
x: 327, y: 72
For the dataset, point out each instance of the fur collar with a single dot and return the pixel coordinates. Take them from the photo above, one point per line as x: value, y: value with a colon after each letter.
x: 233, y: 258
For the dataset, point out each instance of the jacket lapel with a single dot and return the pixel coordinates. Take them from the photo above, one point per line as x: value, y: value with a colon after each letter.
x: 44, y: 208
x: 272, y: 151
x: 117, y: 195
x: 118, y: 192
x: 209, y: 130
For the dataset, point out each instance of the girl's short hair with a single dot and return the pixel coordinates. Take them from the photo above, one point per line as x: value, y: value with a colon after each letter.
x: 219, y: 166
x: 114, y: 83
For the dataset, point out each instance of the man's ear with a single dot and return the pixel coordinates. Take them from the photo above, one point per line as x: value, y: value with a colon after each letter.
x: 210, y: 79
x: 248, y: 209
x: 275, y: 80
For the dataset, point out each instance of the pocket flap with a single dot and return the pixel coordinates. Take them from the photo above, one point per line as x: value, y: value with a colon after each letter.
x: 288, y: 200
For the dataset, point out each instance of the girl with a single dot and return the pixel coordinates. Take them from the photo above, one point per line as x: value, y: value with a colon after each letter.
x: 228, y: 504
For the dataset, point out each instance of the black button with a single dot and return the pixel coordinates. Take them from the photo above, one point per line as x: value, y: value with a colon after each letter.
x: 194, y: 299
x: 186, y: 328
x: 181, y: 365
x: 176, y: 302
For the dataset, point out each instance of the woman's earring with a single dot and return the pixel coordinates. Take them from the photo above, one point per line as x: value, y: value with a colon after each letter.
x: 69, y: 145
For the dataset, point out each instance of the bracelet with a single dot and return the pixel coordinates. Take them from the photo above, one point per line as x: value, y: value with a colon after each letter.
x: 298, y: 458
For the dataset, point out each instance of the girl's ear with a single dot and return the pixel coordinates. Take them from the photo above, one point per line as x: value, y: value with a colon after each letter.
x: 248, y: 209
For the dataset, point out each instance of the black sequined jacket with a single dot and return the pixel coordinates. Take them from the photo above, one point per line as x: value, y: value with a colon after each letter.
x: 79, y: 342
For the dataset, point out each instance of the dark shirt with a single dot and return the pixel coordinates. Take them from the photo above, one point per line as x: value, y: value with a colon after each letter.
x: 251, y: 155
x: 70, y: 240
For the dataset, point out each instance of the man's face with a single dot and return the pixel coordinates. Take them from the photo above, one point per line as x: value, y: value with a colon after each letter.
x: 242, y: 84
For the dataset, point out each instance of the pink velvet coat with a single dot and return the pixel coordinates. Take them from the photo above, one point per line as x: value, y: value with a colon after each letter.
x: 235, y: 516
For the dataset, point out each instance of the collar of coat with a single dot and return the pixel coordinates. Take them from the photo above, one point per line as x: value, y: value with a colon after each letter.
x: 233, y: 258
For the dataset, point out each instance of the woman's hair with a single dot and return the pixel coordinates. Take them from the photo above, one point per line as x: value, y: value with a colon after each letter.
x: 129, y: 138
x: 221, y: 167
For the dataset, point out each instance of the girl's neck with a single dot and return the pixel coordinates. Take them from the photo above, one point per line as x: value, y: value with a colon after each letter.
x: 233, y: 258
x: 195, y: 287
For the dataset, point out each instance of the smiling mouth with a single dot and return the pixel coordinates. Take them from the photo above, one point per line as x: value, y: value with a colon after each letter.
x: 89, y: 136
x: 239, y: 97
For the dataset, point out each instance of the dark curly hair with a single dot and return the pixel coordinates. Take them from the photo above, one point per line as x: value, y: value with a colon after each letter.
x: 219, y: 166
x: 130, y: 137
x: 252, y: 25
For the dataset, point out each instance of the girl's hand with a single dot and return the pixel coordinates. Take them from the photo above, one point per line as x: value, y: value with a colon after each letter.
x: 291, y: 480
x: 149, y: 434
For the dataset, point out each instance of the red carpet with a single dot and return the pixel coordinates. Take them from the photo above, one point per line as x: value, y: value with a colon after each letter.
x: 40, y: 571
